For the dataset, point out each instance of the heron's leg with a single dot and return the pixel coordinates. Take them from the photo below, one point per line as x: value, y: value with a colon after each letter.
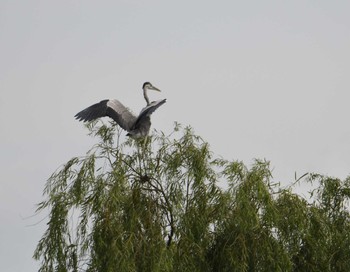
x: 141, y: 145
x: 146, y: 142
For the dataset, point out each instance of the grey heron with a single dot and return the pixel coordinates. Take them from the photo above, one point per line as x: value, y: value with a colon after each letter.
x: 136, y: 126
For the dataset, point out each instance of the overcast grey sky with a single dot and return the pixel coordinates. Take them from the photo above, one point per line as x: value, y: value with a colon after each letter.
x: 256, y: 79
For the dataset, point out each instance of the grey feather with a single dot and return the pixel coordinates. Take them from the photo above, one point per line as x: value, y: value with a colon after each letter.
x: 93, y: 112
x: 121, y: 114
x: 142, y: 124
x: 136, y: 126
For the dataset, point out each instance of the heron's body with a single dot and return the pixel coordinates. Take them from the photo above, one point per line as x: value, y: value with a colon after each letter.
x: 136, y: 126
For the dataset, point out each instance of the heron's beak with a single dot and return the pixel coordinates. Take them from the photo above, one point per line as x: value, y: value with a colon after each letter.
x: 155, y: 89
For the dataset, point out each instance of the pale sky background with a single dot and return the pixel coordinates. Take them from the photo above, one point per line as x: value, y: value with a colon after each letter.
x: 256, y: 79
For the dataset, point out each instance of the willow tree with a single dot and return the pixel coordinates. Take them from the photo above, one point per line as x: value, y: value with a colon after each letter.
x: 156, y: 205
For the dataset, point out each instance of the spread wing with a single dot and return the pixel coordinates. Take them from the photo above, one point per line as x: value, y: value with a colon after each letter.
x: 111, y: 108
x: 147, y: 111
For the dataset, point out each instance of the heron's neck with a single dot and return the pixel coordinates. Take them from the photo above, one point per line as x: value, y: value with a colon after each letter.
x: 145, y: 96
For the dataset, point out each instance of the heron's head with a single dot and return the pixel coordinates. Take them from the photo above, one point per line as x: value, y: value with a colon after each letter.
x: 149, y: 86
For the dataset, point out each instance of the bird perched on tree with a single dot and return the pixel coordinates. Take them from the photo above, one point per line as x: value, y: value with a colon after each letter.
x: 136, y: 126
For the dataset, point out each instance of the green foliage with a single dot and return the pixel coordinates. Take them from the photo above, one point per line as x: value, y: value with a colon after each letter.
x: 155, y: 205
